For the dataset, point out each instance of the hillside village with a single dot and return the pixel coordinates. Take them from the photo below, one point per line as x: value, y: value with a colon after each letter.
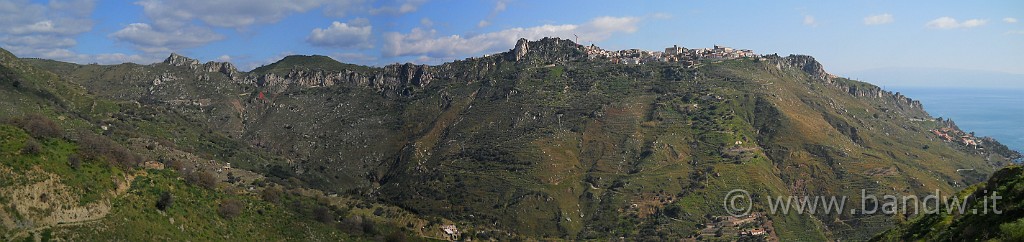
x: 675, y: 54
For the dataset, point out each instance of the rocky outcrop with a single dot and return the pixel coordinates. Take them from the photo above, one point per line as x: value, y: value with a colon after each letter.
x: 405, y: 75
x: 392, y: 78
x: 222, y: 67
x: 519, y: 52
x: 225, y: 68
x: 809, y: 65
x: 181, y: 61
x: 816, y: 71
x: 309, y: 78
x: 548, y: 50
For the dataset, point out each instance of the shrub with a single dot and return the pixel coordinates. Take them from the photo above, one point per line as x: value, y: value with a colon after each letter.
x: 323, y: 214
x: 176, y: 165
x: 38, y: 126
x: 352, y: 224
x: 230, y: 208
x: 95, y: 147
x: 369, y: 227
x: 271, y: 194
x: 32, y: 147
x: 74, y: 162
x: 165, y: 201
x: 396, y: 236
x: 203, y: 179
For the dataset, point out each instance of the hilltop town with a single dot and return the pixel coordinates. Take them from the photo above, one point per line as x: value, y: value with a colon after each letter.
x: 676, y: 54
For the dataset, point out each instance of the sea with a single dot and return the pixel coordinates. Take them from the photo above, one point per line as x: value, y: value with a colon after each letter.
x: 997, y: 113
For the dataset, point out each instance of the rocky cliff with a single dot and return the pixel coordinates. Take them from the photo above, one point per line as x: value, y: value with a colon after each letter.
x: 225, y: 68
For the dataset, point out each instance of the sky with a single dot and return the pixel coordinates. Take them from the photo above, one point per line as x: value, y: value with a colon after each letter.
x: 846, y: 36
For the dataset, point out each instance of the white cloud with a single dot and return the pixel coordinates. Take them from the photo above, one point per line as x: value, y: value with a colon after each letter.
x: 426, y: 22
x: 340, y: 8
x: 182, y: 24
x: 973, y: 23
x: 149, y: 39
x: 223, y: 13
x: 660, y: 15
x: 878, y: 19
x: 398, y: 7
x: 1009, y: 20
x: 250, y: 65
x: 810, y: 21
x: 952, y: 23
x: 356, y: 58
x: 48, y: 30
x: 420, y: 42
x: 39, y: 41
x: 499, y: 6
x: 30, y: 29
x: 224, y: 58
x: 59, y: 27
x: 71, y: 56
x: 355, y: 34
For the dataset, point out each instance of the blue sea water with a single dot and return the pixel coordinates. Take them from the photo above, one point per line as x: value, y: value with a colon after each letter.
x: 997, y: 113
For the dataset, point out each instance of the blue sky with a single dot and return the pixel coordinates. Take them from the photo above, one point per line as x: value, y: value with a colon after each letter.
x: 846, y: 36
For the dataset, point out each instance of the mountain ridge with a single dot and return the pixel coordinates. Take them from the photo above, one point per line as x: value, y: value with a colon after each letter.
x: 548, y: 142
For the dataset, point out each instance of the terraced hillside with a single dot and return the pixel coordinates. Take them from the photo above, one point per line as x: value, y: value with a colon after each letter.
x: 75, y: 166
x: 544, y: 141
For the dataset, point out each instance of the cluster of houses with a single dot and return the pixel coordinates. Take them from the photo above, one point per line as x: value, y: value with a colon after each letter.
x: 753, y: 226
x: 955, y: 135
x: 673, y: 54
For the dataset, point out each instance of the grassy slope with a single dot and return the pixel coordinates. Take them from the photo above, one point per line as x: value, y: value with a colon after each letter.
x: 974, y: 223
x: 640, y: 148
x: 117, y: 214
x: 134, y: 215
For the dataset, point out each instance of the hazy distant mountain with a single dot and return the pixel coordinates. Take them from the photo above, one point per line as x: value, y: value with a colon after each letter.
x: 937, y: 77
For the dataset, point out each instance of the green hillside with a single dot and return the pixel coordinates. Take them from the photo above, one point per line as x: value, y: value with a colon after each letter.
x: 80, y: 167
x: 985, y: 218
x: 544, y: 143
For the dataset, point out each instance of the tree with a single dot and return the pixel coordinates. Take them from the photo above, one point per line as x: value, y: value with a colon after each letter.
x: 230, y: 208
x: 271, y: 194
x: 96, y: 147
x: 38, y: 126
x: 323, y: 214
x: 203, y: 179
x: 165, y: 201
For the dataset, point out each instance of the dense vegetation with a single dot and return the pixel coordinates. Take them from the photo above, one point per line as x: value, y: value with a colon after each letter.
x: 982, y: 219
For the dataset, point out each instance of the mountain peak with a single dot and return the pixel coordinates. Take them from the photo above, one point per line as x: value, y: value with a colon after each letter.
x: 311, y: 62
x: 547, y: 49
x: 179, y: 60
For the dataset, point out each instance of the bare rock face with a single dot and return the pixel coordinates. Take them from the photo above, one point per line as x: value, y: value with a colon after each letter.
x: 225, y: 68
x: 547, y: 50
x: 408, y: 74
x: 809, y: 65
x: 180, y: 60
x: 222, y: 67
x: 522, y: 46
